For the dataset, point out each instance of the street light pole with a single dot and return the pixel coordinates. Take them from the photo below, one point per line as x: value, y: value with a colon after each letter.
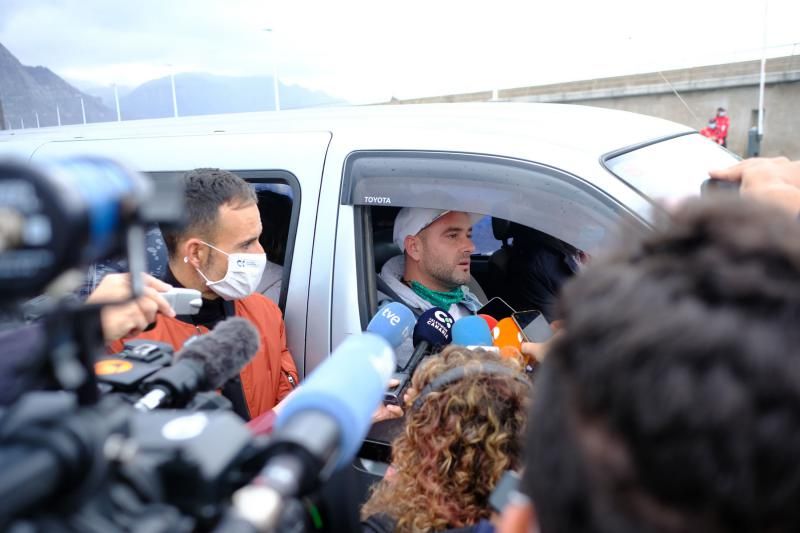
x: 763, y: 74
x: 174, y: 95
x: 116, y: 102
x: 275, y: 90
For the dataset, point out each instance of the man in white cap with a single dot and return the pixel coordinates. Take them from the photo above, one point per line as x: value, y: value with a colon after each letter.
x: 434, y: 268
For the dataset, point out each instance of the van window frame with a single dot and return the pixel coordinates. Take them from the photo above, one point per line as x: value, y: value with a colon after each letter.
x: 407, y: 163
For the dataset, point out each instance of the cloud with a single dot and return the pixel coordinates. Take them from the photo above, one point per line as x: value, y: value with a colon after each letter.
x: 371, y: 50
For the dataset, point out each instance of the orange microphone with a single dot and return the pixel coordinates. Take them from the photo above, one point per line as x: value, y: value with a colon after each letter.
x: 507, y: 333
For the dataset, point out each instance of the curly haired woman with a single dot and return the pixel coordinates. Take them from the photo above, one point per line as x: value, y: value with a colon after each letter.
x: 462, y: 432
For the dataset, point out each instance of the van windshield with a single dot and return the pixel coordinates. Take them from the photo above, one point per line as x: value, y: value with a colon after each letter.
x: 671, y: 170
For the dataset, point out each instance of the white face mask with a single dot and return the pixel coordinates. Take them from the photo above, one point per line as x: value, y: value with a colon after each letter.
x: 243, y: 275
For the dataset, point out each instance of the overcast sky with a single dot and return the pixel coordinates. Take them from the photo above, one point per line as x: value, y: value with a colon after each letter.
x: 368, y: 51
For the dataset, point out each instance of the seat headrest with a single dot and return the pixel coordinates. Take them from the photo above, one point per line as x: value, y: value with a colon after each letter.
x: 384, y: 248
x: 500, y: 229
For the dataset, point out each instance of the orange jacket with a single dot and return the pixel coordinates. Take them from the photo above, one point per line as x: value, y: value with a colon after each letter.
x: 723, y: 124
x: 711, y: 134
x: 264, y: 379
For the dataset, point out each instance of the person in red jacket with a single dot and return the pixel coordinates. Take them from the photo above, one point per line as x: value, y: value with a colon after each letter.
x: 218, y: 253
x: 723, y: 124
x: 711, y: 131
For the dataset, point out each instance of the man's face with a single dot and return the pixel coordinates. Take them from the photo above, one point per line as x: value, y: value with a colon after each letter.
x: 237, y: 231
x: 446, y: 247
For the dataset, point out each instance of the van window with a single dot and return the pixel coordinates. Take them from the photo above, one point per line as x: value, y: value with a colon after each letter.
x: 278, y: 195
x: 570, y: 214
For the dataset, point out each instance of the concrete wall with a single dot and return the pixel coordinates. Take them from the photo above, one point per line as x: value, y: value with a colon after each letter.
x: 781, y: 116
x: 733, y: 86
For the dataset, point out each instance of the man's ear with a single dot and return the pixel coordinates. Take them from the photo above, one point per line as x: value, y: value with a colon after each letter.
x: 413, y: 247
x: 193, y: 252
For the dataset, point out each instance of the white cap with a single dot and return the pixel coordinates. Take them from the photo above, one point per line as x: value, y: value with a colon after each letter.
x: 412, y: 220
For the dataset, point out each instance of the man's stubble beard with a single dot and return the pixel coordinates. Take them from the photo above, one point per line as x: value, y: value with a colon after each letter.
x: 448, y: 276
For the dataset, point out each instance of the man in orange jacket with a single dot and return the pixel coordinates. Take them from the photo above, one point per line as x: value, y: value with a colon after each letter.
x: 218, y: 253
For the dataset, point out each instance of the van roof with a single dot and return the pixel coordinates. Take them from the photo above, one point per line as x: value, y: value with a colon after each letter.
x: 571, y: 127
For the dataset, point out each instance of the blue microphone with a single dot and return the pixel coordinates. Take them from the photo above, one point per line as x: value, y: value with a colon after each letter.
x: 322, y: 425
x: 394, y: 322
x: 431, y: 332
x: 472, y: 331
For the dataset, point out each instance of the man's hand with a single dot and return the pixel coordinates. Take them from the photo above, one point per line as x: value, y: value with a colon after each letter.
x: 132, y: 317
x: 775, y: 180
x: 388, y: 412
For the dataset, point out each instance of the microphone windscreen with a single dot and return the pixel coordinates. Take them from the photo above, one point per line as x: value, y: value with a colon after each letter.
x: 507, y: 333
x: 394, y: 322
x: 490, y: 321
x: 348, y: 387
x: 434, y: 327
x: 224, y: 351
x: 471, y: 331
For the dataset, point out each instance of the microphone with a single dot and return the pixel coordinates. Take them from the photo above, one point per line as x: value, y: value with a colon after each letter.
x: 472, y: 331
x: 320, y: 429
x: 394, y: 322
x: 431, y: 332
x: 205, y: 363
x: 507, y: 333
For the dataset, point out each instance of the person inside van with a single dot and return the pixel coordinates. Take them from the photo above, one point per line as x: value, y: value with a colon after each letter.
x: 276, y: 212
x: 434, y: 270
x: 218, y: 254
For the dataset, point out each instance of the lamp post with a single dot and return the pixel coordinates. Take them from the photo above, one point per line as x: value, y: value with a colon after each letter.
x: 275, y: 90
x: 116, y: 102
x: 174, y: 94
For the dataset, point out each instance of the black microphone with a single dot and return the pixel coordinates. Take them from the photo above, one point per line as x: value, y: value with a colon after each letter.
x: 203, y: 364
x: 432, y: 331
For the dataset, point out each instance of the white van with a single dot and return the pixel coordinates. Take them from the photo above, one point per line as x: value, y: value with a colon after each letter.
x: 572, y: 172
x: 331, y: 181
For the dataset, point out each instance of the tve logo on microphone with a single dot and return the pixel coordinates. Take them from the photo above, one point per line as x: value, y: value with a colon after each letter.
x: 391, y: 316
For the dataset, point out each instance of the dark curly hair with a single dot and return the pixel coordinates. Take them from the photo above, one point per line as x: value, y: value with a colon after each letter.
x: 455, y: 446
x: 672, y: 401
x: 206, y: 190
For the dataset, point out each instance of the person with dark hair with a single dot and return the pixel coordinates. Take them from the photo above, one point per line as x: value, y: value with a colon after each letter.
x: 276, y: 212
x: 218, y: 253
x: 671, y: 402
x: 462, y: 431
x: 539, y: 265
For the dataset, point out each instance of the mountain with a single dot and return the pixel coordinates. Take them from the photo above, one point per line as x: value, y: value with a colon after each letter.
x: 28, y: 91
x: 204, y: 94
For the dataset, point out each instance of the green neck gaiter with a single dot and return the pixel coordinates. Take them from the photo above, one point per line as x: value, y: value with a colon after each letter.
x: 442, y: 299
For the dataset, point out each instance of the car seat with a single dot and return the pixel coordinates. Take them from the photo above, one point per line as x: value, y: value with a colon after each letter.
x: 500, y: 259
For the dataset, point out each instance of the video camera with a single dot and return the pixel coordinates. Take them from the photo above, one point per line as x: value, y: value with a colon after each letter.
x: 81, y: 448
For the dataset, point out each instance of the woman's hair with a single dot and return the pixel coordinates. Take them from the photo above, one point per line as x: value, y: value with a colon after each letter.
x: 457, y: 443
